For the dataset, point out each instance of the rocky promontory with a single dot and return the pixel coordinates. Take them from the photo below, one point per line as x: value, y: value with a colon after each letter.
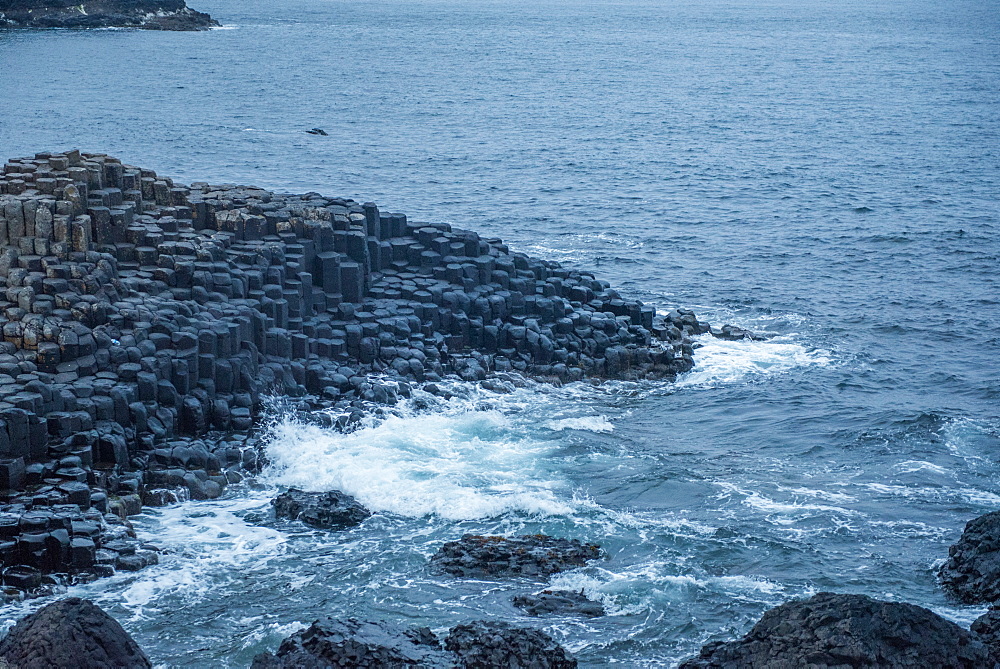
x: 144, y: 322
x: 147, y: 14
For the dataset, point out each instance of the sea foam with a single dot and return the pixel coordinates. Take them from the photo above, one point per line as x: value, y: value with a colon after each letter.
x: 457, y: 465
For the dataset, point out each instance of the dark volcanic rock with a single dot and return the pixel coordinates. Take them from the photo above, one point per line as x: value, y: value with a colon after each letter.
x: 530, y: 555
x: 325, y: 510
x: 144, y: 323
x: 72, y: 632
x: 354, y: 643
x: 495, y: 644
x: 833, y: 630
x: 972, y: 571
x: 559, y: 602
x: 987, y: 628
x: 148, y: 14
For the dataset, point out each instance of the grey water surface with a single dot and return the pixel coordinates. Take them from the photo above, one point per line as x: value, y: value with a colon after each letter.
x: 825, y: 172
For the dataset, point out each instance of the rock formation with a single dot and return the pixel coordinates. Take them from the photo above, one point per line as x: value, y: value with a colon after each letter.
x: 972, y: 572
x: 147, y: 14
x: 354, y: 643
x: 832, y: 630
x: 497, y: 644
x: 559, y: 602
x: 72, y: 632
x: 143, y: 321
x: 475, y: 556
x: 323, y: 510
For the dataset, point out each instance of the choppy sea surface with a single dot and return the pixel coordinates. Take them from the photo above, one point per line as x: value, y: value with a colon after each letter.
x: 823, y: 172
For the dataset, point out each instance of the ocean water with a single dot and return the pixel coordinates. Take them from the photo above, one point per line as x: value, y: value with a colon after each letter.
x: 826, y: 173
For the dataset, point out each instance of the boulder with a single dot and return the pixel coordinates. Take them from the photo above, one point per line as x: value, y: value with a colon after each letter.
x: 559, y: 602
x: 987, y: 628
x: 354, y: 643
x: 361, y: 644
x: 498, y: 644
x: 477, y: 556
x: 324, y: 510
x: 72, y: 632
x: 834, y: 630
x: 972, y: 572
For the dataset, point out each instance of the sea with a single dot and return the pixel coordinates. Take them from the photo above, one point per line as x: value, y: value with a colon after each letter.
x: 824, y: 173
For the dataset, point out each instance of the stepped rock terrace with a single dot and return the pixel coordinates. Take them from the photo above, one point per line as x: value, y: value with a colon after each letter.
x: 143, y: 322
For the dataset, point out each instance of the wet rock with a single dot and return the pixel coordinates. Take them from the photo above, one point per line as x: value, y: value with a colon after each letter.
x: 536, y: 555
x: 72, y: 632
x: 354, y: 643
x: 559, y: 602
x: 324, y: 510
x: 498, y: 644
x: 972, y: 572
x: 143, y: 315
x: 834, y: 630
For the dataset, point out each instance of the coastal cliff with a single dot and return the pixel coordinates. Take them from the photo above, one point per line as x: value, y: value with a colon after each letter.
x: 144, y: 322
x: 146, y: 14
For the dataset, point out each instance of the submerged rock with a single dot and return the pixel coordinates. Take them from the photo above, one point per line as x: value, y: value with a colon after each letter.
x: 355, y: 643
x: 72, y: 632
x: 972, y: 572
x: 834, y: 630
x: 148, y: 14
x: 498, y: 644
x: 325, y: 510
x: 530, y: 555
x: 559, y: 602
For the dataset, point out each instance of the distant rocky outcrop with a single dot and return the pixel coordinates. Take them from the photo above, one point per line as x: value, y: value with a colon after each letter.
x: 324, y: 510
x: 74, y: 633
x: 535, y: 555
x: 834, y: 630
x: 146, y: 14
x: 354, y: 643
x: 972, y: 572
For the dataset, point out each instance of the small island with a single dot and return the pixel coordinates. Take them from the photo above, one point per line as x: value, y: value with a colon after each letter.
x: 145, y: 14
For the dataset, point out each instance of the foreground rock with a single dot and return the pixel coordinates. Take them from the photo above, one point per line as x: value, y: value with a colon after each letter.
x: 72, y: 632
x: 324, y: 510
x: 143, y: 320
x: 535, y: 555
x: 354, y: 643
x: 148, y: 14
x: 832, y: 630
x: 987, y: 628
x: 972, y: 572
x: 497, y: 644
x: 559, y: 602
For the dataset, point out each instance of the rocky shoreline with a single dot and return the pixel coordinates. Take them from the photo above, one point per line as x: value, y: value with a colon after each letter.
x: 144, y: 323
x: 144, y: 14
